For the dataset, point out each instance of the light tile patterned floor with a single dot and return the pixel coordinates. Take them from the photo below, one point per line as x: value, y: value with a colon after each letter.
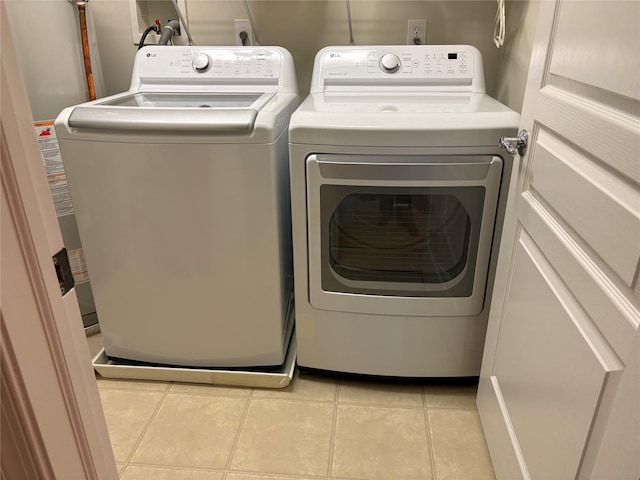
x: 316, y: 428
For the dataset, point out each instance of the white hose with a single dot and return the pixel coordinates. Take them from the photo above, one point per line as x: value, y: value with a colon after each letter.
x: 182, y: 21
x: 499, y: 25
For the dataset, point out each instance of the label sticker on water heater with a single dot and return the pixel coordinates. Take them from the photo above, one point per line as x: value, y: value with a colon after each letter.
x: 78, y: 266
x: 52, y: 159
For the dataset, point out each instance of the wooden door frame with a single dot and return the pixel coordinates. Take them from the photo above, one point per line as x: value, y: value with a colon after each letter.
x: 53, y: 425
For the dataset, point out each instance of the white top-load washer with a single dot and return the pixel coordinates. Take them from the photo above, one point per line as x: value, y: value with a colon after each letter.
x: 181, y: 192
x: 398, y: 195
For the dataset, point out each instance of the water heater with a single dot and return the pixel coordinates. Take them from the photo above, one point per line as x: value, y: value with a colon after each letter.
x: 49, y: 49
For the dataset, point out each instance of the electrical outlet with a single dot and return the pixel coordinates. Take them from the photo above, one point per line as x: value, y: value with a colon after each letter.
x: 417, y: 29
x: 244, y: 26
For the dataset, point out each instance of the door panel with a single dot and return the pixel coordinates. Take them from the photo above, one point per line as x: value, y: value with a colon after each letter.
x: 607, y: 301
x: 608, y: 126
x: 563, y: 330
x: 601, y: 208
x: 551, y: 366
x: 579, y: 52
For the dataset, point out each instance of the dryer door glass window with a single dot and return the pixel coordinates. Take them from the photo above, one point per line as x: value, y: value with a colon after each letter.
x: 400, y: 241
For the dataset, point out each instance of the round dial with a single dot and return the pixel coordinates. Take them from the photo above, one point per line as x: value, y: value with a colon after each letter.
x: 201, y: 63
x: 390, y: 63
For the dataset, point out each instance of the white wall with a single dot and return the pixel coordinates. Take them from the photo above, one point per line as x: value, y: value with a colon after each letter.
x: 304, y: 27
x: 46, y: 34
x: 48, y: 40
x: 514, y: 57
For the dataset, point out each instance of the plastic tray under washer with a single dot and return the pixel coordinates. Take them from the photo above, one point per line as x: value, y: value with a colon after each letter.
x: 240, y: 378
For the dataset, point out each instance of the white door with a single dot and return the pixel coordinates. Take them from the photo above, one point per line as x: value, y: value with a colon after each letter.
x: 559, y: 393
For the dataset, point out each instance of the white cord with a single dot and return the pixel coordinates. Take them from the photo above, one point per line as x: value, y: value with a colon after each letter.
x: 351, y: 40
x: 499, y: 25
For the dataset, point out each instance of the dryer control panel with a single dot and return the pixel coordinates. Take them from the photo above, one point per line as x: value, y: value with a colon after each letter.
x: 433, y: 67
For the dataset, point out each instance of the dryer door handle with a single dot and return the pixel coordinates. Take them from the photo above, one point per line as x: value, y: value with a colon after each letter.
x: 474, y: 169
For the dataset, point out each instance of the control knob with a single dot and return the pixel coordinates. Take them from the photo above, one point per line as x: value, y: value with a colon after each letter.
x: 201, y: 62
x: 389, y: 63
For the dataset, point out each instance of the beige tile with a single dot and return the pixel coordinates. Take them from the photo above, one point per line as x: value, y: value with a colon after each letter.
x: 378, y: 393
x: 285, y: 437
x: 192, y: 431
x: 151, y: 386
x: 459, y: 446
x: 381, y: 443
x: 303, y: 387
x: 253, y: 476
x: 120, y: 467
x: 127, y: 413
x: 143, y: 472
x: 95, y: 344
x: 201, y: 389
x: 451, y: 396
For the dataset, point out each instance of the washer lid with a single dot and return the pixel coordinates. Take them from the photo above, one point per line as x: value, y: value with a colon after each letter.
x: 171, y: 111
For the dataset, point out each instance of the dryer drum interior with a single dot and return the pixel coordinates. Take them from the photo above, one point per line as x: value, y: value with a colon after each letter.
x: 416, y: 239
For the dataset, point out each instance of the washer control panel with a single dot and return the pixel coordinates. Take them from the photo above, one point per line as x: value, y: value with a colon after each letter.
x: 400, y: 64
x: 201, y: 61
x: 184, y: 66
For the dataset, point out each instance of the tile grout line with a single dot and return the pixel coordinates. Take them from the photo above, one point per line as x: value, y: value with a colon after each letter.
x: 424, y: 396
x: 381, y: 405
x: 146, y: 427
x: 176, y: 467
x: 236, y: 440
x: 210, y: 395
x: 432, y: 452
x: 197, y: 394
x: 449, y: 409
x: 292, y: 400
x: 108, y: 389
x: 267, y: 475
x: 427, y: 422
x: 332, y: 441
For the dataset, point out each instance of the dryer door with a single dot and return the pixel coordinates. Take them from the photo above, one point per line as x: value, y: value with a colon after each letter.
x: 401, y: 235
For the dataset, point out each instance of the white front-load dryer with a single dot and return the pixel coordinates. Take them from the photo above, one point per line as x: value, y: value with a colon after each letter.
x: 181, y: 192
x: 398, y: 195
